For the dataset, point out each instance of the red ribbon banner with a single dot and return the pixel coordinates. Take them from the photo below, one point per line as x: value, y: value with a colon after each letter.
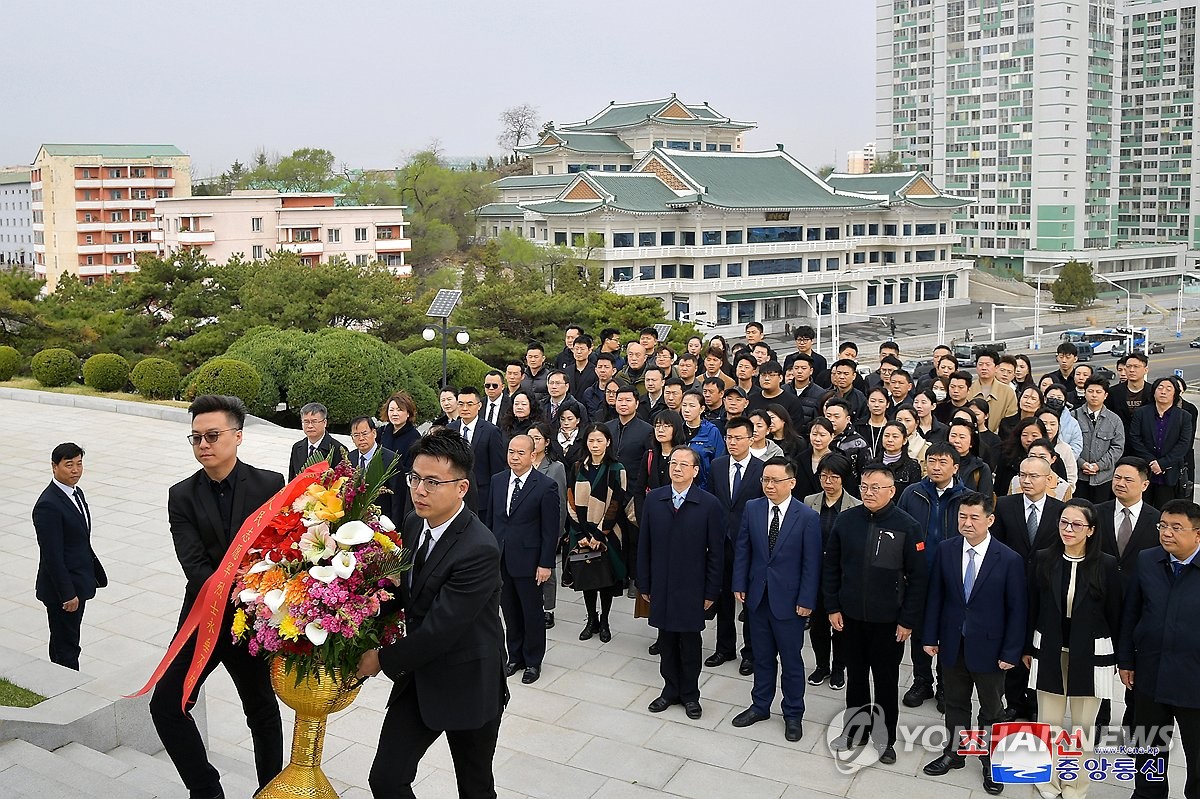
x: 204, y: 618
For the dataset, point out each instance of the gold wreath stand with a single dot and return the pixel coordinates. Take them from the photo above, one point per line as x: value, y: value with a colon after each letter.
x: 313, y: 702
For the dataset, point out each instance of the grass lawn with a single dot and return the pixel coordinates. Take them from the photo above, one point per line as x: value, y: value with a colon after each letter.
x: 14, y: 696
x: 81, y: 390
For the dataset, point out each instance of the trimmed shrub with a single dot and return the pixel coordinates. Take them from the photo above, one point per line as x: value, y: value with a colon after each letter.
x: 225, y: 376
x: 155, y: 378
x: 423, y: 394
x: 277, y: 355
x: 106, y: 371
x: 10, y: 362
x: 462, y: 369
x: 349, y: 373
x: 55, y: 367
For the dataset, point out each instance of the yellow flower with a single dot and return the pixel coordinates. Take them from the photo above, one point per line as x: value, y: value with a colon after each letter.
x: 385, y: 542
x: 288, y: 628
x: 324, y: 503
x: 239, y: 624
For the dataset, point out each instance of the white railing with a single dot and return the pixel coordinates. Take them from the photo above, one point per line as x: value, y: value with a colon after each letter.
x: 787, y: 283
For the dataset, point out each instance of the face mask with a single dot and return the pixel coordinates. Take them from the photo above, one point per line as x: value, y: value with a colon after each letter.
x: 940, y: 393
x: 1054, y: 403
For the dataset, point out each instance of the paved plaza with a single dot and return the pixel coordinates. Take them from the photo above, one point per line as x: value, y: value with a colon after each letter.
x: 582, y: 731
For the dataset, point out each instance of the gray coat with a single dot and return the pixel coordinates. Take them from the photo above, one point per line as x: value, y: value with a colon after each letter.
x: 1103, y: 444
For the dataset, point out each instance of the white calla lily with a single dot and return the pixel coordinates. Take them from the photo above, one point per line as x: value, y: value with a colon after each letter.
x: 353, y: 533
x: 343, y: 564
x: 386, y: 524
x: 248, y: 596
x: 316, y: 633
x: 264, y: 565
x: 274, y: 600
x: 325, y: 574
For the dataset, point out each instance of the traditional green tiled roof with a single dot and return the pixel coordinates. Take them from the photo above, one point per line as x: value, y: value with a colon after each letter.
x: 16, y: 176
x: 533, y: 181
x: 638, y: 192
x: 582, y: 142
x: 114, y: 150
x: 893, y: 185
x: 766, y: 180
x: 501, y: 209
x: 945, y: 201
x: 624, y: 115
x: 563, y: 207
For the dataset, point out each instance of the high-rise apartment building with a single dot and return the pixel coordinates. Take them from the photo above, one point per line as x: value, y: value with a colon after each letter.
x: 93, y: 205
x: 16, y: 218
x: 1014, y: 102
x: 1158, y: 184
x: 860, y: 162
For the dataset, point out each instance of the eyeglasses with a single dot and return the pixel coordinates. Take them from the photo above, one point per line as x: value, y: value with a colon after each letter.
x: 827, y: 477
x: 428, y: 483
x: 871, y: 489
x: 1175, y: 528
x: 770, y: 481
x: 311, y: 422
x: 736, y: 438
x: 1070, y: 526
x: 211, y: 436
x: 1031, y: 475
x: 362, y: 436
x: 491, y: 385
x: 467, y: 403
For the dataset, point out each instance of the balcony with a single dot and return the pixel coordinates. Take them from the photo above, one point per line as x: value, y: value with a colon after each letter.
x: 164, y: 183
x: 85, y: 205
x: 91, y: 249
x: 393, y: 245
x: 144, y: 246
x: 139, y: 205
x: 197, y: 237
x: 90, y: 227
x: 157, y: 236
x: 88, y: 183
x: 303, y: 247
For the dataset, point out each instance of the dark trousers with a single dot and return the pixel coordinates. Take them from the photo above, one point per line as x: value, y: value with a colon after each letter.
x: 629, y: 545
x: 177, y: 730
x: 957, y: 684
x: 1094, y: 494
x: 726, y: 608
x: 825, y: 639
x: 1104, y: 715
x: 1017, y: 693
x: 64, y: 635
x: 524, y: 624
x: 1151, y: 722
x: 873, y: 656
x: 679, y: 664
x: 781, y: 639
x: 404, y: 739
x: 1159, y: 495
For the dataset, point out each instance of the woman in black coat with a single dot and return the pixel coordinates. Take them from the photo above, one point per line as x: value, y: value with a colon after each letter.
x: 894, y: 455
x: 972, y: 471
x: 1074, y: 622
x: 1166, y: 453
x: 398, y: 432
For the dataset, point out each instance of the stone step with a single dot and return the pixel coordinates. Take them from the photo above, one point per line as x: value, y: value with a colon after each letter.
x: 238, y: 777
x: 149, y: 772
x: 60, y: 776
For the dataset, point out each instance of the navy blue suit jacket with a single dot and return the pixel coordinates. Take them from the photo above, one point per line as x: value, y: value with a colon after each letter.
x: 487, y: 445
x: 791, y: 573
x: 529, y: 536
x: 67, y: 567
x: 750, y: 488
x: 680, y: 555
x: 1160, y: 640
x: 990, y: 626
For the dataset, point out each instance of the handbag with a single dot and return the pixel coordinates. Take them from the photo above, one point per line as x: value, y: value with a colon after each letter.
x: 590, y: 569
x: 1186, y: 486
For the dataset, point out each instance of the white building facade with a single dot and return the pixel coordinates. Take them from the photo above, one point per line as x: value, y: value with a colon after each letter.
x: 16, y: 219
x: 253, y: 223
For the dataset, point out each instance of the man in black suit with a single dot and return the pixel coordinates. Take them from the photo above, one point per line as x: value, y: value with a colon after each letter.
x: 366, y: 449
x: 487, y: 444
x: 448, y: 670
x: 1158, y: 646
x: 632, y: 439
x: 314, y: 420
x: 736, y: 479
x: 1025, y: 523
x: 524, y: 515
x: 495, y: 399
x: 68, y: 570
x: 560, y: 399
x: 679, y: 574
x: 975, y: 618
x: 206, y: 511
x: 1126, y: 525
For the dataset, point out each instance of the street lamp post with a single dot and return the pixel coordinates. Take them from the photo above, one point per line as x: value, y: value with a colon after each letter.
x: 441, y: 307
x: 816, y: 312
x: 1037, y: 305
x: 1179, y: 303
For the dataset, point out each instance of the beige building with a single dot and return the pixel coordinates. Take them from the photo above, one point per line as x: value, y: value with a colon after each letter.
x: 860, y: 162
x: 253, y: 223
x: 93, y: 205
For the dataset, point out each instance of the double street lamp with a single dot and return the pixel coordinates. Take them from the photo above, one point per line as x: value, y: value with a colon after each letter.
x: 441, y: 307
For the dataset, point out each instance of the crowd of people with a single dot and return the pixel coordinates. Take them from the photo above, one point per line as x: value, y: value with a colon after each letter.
x: 993, y: 519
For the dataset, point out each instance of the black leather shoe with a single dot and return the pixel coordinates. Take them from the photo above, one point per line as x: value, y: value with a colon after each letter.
x: 837, y: 680
x: 659, y: 705
x: 531, y: 674
x: 917, y: 694
x: 992, y: 787
x: 549, y: 619
x: 716, y: 659
x: 512, y: 668
x: 653, y: 649
x: 820, y: 674
x: 589, y: 629
x: 747, y: 717
x: 943, y: 765
x: 887, y: 755
x: 793, y: 730
x: 693, y: 710
x: 605, y: 633
x: 746, y: 668
x: 844, y: 743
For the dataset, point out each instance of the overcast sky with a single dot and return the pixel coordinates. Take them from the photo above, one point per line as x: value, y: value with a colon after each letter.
x: 375, y: 81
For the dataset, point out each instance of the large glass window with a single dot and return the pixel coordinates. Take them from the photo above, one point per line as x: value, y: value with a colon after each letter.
x: 710, y: 237
x: 733, y: 237
x: 860, y: 257
x: 621, y: 274
x: 689, y: 238
x: 733, y: 270
x: 872, y: 296
x: 622, y: 240
x: 832, y: 233
x: 930, y: 289
x: 776, y: 266
x: 889, y: 257
x: 667, y: 238
x: 646, y: 272
x: 724, y: 313
x: 687, y: 271
x: 858, y: 230
x: 873, y: 229
x: 832, y: 264
x: 746, y: 311
x: 768, y: 235
x: 812, y: 234
x: 904, y: 292
x: 668, y: 271
x: 560, y: 238
x: 925, y: 256
x: 678, y: 145
x: 772, y: 309
x: 647, y: 239
x: 814, y: 264
x: 926, y: 229
x: 889, y: 292
x: 712, y: 271
x: 578, y: 240
x: 889, y: 230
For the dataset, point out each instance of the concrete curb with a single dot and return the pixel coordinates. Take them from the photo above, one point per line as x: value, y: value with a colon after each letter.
x: 145, y: 409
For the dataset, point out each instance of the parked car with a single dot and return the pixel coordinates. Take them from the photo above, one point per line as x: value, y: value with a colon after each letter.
x: 1104, y: 373
x: 1157, y: 347
x: 1195, y: 343
x: 971, y: 351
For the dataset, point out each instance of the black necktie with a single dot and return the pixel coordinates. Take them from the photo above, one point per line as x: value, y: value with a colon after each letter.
x: 491, y: 415
x: 1177, y: 565
x: 516, y: 493
x: 79, y: 503
x: 422, y: 551
x: 311, y: 451
x: 773, y: 533
x: 737, y: 481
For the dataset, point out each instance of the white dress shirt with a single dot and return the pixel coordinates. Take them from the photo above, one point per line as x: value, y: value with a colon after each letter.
x: 1119, y: 518
x: 745, y: 464
x: 524, y: 478
x: 783, y: 509
x: 980, y: 552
